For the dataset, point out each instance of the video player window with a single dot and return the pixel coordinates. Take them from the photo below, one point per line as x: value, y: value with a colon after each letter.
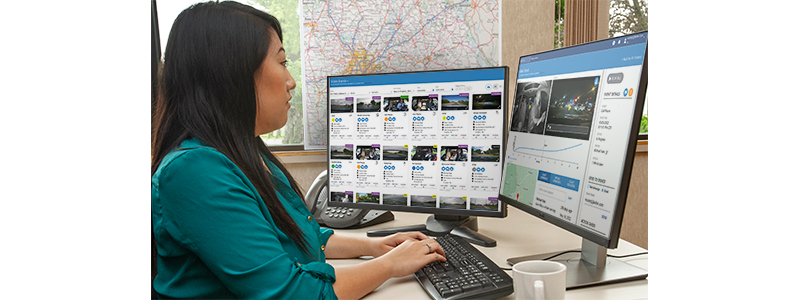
x: 373, y: 197
x: 395, y: 153
x: 453, y: 202
x: 342, y: 105
x: 420, y: 200
x: 368, y: 104
x: 425, y: 103
x: 395, y: 103
x: 423, y: 153
x: 368, y: 152
x: 395, y: 199
x: 454, y: 153
x: 489, y: 153
x: 530, y: 107
x: 571, y: 108
x: 455, y: 102
x: 486, y: 101
x: 342, y: 152
x: 342, y: 197
x: 484, y: 203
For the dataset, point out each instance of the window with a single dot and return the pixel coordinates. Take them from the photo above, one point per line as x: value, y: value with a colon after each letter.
x: 625, y: 17
x: 290, y: 137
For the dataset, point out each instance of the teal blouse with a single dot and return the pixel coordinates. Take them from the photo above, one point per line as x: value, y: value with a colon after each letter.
x: 215, y: 238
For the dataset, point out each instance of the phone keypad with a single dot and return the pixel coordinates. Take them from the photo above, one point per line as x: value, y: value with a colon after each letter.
x: 338, y: 212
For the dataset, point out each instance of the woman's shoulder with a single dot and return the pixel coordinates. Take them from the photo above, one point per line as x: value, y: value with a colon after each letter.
x: 192, y: 154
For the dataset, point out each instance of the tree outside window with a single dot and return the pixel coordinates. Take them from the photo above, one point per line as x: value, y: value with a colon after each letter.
x: 286, y: 11
x: 626, y: 17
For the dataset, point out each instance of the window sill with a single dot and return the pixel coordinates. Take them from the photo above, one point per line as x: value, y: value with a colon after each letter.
x: 641, y: 146
x: 309, y: 156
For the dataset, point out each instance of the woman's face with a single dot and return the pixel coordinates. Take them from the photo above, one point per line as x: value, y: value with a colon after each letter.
x: 273, y: 83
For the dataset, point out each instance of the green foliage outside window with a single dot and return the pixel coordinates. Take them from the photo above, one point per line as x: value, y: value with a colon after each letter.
x: 286, y: 12
x: 626, y: 17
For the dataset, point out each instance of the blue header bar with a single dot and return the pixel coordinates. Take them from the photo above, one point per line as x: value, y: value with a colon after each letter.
x: 558, y: 180
x: 418, y: 77
x: 611, y: 53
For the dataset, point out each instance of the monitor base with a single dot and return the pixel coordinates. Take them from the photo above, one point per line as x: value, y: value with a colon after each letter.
x: 462, y: 226
x: 582, y: 272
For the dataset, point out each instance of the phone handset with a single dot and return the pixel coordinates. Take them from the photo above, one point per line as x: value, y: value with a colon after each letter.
x: 339, y: 217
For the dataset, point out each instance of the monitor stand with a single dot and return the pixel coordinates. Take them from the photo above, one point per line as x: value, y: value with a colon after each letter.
x: 463, y: 226
x: 593, y: 267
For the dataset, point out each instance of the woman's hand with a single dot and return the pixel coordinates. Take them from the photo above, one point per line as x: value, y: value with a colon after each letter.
x: 407, y: 252
x: 381, y: 246
x: 411, y: 255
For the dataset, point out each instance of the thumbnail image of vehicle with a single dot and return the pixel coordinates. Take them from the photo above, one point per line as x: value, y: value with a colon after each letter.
x: 454, y: 153
x: 342, y: 105
x: 395, y: 153
x: 486, y: 153
x: 530, y: 107
x: 395, y: 199
x: 572, y: 106
x: 484, y: 203
x: 425, y: 201
x: 425, y: 103
x: 367, y: 104
x: 342, y: 152
x: 341, y: 197
x: 368, y: 153
x: 395, y: 103
x: 455, y: 102
x: 453, y: 202
x: 368, y: 197
x: 424, y: 153
x: 486, y: 101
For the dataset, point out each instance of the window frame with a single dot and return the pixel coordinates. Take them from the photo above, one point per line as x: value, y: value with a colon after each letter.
x: 156, y: 56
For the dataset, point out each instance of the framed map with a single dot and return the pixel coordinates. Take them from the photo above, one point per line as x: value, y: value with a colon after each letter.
x: 369, y: 36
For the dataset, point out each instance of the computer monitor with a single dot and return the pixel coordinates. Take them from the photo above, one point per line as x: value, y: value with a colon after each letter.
x: 426, y: 142
x: 574, y: 125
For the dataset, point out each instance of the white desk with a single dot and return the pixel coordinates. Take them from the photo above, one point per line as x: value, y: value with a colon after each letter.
x: 518, y: 234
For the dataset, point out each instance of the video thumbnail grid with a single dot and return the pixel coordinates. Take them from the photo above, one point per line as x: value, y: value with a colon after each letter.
x: 398, y: 145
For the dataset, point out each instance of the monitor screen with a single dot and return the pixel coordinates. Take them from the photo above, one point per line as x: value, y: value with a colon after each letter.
x: 428, y: 141
x: 574, y: 122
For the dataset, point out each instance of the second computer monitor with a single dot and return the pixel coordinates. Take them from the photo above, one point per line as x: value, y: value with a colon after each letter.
x: 428, y: 142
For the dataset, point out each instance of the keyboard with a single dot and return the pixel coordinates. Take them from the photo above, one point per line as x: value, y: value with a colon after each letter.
x: 467, y: 273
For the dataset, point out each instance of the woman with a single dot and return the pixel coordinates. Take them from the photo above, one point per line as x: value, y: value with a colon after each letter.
x: 228, y: 219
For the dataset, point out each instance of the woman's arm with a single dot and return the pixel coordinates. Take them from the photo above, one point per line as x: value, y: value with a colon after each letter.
x: 353, y: 282
x: 342, y: 246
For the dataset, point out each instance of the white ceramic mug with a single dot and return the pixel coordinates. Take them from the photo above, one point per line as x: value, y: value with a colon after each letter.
x: 540, y: 280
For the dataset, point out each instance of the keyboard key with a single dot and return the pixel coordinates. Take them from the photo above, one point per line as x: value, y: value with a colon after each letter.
x: 450, y: 292
x: 470, y: 287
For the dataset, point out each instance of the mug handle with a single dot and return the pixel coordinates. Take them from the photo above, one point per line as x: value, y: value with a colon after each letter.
x: 538, y: 290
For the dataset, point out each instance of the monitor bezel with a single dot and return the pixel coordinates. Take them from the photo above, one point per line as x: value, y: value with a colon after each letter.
x: 613, y: 240
x: 432, y: 210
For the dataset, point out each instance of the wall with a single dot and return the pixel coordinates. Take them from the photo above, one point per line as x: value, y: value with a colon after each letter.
x: 305, y: 173
x: 527, y: 28
x: 634, y: 222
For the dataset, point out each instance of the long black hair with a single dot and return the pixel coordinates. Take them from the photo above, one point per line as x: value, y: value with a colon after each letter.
x: 207, y: 91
